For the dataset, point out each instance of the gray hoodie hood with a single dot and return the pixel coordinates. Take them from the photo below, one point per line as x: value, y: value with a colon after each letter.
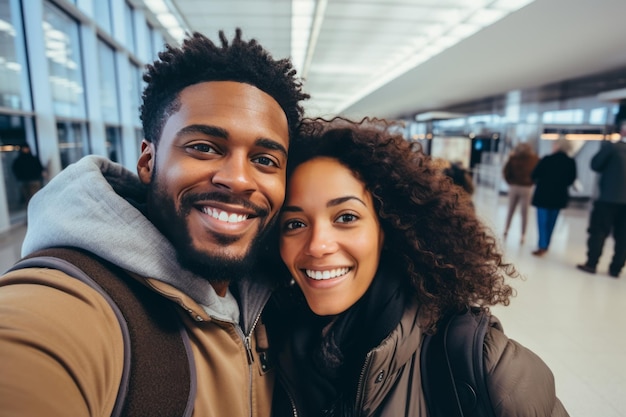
x: 87, y: 206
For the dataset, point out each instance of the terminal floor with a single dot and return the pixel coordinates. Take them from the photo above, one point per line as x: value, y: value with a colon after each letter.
x: 576, y: 322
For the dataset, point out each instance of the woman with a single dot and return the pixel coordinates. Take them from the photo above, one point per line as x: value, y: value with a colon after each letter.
x: 380, y: 245
x: 517, y: 174
x: 552, y: 176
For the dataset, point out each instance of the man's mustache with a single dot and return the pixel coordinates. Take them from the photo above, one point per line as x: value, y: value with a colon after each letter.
x: 192, y: 199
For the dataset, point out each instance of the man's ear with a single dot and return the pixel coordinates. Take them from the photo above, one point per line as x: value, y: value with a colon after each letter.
x: 147, y: 159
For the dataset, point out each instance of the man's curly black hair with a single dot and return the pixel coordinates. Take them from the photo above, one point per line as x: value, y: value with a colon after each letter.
x: 431, y: 228
x: 200, y: 60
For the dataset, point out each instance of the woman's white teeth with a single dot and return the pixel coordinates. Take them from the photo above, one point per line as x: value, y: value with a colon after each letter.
x: 224, y: 216
x: 328, y: 274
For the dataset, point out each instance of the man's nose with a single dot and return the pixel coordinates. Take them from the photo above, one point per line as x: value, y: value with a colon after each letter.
x: 236, y: 174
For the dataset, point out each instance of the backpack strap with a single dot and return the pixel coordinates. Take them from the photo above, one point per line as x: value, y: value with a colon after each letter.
x: 158, y: 378
x: 452, y: 367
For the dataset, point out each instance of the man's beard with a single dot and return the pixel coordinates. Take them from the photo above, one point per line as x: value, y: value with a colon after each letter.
x: 218, y: 268
x: 214, y: 267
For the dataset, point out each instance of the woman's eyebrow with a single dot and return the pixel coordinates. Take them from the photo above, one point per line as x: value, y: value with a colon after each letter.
x: 339, y: 200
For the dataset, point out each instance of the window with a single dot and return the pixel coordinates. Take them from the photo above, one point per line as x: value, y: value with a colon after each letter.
x: 64, y: 61
x: 109, y: 102
x: 129, y: 18
x: 135, y: 90
x: 114, y: 143
x: 13, y: 71
x: 102, y: 12
x: 73, y: 141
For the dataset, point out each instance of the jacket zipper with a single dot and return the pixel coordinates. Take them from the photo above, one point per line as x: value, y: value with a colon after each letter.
x: 359, y: 387
x: 248, y: 346
x: 292, y: 402
x: 247, y: 340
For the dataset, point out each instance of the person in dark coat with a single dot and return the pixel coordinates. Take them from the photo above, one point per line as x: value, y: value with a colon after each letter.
x: 29, y: 172
x: 552, y: 176
x: 609, y: 210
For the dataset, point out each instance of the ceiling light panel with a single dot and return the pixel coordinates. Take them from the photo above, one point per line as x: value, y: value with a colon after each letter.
x: 358, y: 45
x: 268, y: 21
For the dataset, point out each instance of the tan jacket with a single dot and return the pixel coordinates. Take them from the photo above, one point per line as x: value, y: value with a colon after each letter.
x: 61, y: 352
x: 518, y: 169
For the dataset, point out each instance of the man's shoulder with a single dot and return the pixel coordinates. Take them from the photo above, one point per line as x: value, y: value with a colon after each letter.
x: 51, y: 288
x: 68, y: 336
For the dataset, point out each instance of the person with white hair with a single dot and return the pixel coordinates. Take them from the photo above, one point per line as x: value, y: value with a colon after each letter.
x: 552, y: 176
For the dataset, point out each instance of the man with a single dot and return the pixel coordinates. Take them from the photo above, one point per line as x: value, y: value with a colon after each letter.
x: 609, y: 210
x: 211, y: 177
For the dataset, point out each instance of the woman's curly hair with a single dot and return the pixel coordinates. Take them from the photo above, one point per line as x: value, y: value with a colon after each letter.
x: 431, y: 229
x: 200, y: 60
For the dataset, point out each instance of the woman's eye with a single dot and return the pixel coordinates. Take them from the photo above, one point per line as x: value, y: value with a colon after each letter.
x: 347, y: 218
x: 292, y: 225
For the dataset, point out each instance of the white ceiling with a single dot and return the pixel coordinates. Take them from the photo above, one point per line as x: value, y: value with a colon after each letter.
x: 362, y: 42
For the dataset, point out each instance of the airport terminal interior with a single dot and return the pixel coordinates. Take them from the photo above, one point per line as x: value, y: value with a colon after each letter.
x: 468, y: 80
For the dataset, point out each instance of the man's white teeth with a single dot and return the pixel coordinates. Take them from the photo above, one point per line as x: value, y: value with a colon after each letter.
x: 224, y: 216
x: 328, y: 274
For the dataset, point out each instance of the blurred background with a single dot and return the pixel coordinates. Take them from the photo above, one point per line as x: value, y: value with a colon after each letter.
x: 468, y: 79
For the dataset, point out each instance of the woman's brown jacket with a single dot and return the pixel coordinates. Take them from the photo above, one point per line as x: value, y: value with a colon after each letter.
x: 520, y: 384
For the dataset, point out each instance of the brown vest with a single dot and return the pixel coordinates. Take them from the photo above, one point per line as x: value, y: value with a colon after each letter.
x: 159, y: 375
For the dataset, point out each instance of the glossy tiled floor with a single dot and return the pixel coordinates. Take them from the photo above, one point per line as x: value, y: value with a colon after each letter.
x: 575, y: 321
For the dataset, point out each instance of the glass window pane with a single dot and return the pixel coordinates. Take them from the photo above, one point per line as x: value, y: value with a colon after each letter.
x: 64, y: 62
x: 12, y: 66
x: 114, y: 143
x: 102, y: 12
x: 108, y: 84
x: 130, y: 27
x: 135, y: 93
x: 139, y: 138
x: 151, y: 51
x: 73, y: 141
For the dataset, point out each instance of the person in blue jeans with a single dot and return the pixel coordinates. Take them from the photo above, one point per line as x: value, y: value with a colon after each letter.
x: 552, y: 176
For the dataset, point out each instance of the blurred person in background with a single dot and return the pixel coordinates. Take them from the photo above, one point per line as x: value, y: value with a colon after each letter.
x: 460, y: 176
x: 456, y: 172
x: 552, y: 176
x: 517, y: 174
x: 609, y: 210
x: 29, y: 172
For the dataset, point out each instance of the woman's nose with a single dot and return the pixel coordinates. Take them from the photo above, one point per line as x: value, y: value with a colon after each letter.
x: 322, y: 242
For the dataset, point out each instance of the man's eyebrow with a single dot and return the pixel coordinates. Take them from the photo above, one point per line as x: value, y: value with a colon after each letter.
x: 271, y: 144
x: 331, y: 203
x: 208, y: 130
x: 218, y: 132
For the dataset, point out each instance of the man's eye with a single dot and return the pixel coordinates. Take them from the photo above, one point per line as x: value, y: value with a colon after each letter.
x: 347, y: 218
x: 203, y: 147
x: 264, y: 160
